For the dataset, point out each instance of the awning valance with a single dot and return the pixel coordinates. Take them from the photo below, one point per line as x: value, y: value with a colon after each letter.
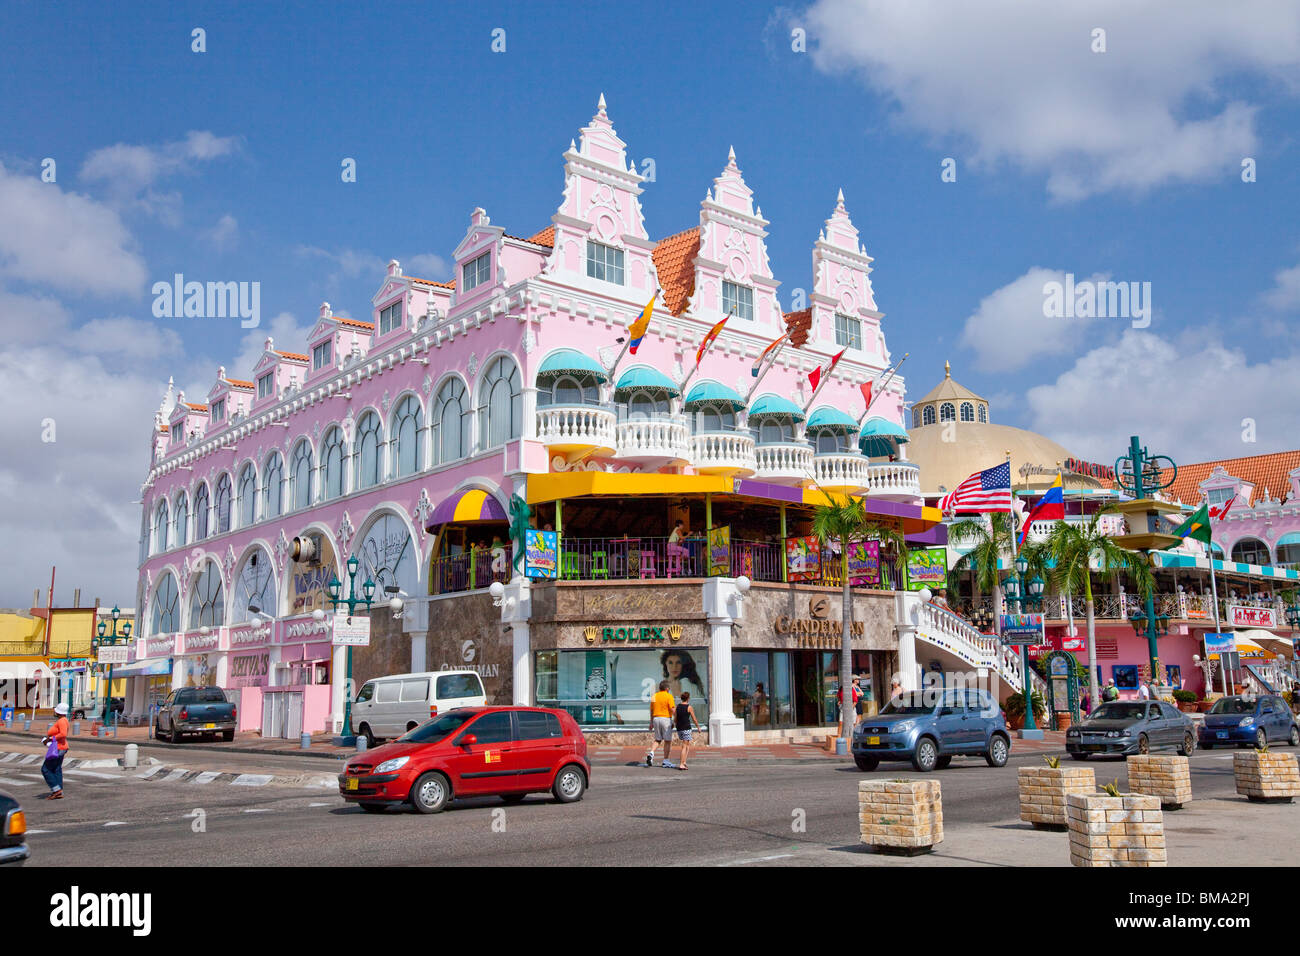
x: 645, y: 378
x: 571, y: 361
x: 881, y: 437
x: 775, y: 406
x: 473, y: 504
x: 827, y: 417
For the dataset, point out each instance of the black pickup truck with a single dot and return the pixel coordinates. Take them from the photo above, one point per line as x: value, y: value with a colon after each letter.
x: 196, y: 710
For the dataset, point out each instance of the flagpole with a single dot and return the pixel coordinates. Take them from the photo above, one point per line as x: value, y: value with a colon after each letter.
x: 821, y: 384
x: 1214, y: 588
x: 770, y: 362
x: 691, y: 374
x: 893, y: 370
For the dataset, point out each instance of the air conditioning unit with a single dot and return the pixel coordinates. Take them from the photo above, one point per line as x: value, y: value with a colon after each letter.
x: 307, y: 549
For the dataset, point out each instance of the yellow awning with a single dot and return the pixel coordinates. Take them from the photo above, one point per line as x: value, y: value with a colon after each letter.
x: 577, y: 484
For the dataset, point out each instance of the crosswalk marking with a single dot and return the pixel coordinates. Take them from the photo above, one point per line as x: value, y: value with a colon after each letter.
x: 151, y: 771
x: 175, y: 775
x: 92, y: 773
x: 207, y: 776
x: 8, y: 757
x: 115, y: 823
x: 30, y: 758
x: 9, y: 782
x: 252, y: 779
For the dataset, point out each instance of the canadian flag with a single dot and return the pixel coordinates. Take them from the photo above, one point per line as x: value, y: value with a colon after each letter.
x: 1218, y: 512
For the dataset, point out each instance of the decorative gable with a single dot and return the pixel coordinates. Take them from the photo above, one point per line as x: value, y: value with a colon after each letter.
x: 842, y: 284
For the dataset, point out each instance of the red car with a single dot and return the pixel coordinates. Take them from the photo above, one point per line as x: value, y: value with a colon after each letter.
x: 508, y: 752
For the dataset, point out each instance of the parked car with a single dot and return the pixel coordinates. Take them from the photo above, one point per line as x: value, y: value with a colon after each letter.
x: 13, y: 835
x: 1248, y: 720
x: 196, y: 710
x: 929, y: 728
x: 508, y: 752
x: 1131, y: 727
x: 389, y: 706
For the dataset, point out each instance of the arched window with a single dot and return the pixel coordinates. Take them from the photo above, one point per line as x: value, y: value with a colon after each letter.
x: 569, y: 390
x: 408, y: 424
x: 222, y: 504
x: 160, y: 519
x: 830, y: 441
x: 916, y: 418
x: 388, y: 555
x: 947, y: 413
x: 773, y: 431
x: 300, y: 476
x: 1252, y: 551
x: 501, y: 411
x: 714, y: 418
x: 254, y: 587
x: 181, y: 519
x: 450, y: 422
x: 247, y: 496
x: 166, y: 607
x: 370, y: 436
x: 984, y: 414
x: 201, y: 508
x: 967, y: 412
x: 928, y: 415
x: 644, y: 405
x: 208, y: 600
x: 273, y: 487
x: 331, y: 464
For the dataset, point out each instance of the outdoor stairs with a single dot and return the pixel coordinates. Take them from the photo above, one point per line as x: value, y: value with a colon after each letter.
x: 942, y: 628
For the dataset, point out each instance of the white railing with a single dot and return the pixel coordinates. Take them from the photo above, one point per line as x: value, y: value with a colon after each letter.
x: 653, y: 439
x: 959, y: 637
x: 841, y: 470
x: 783, y: 461
x: 894, y: 478
x: 576, y: 426
x: 724, y: 453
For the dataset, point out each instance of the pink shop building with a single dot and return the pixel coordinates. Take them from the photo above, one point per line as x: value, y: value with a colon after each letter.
x: 403, y: 439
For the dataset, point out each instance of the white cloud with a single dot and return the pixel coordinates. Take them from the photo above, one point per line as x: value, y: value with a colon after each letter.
x: 27, y: 319
x: 1008, y: 81
x: 225, y: 234
x: 64, y: 240
x: 1186, y: 399
x: 348, y: 263
x: 288, y: 334
x: 1285, y: 294
x: 135, y: 339
x: 427, y: 266
x: 130, y: 172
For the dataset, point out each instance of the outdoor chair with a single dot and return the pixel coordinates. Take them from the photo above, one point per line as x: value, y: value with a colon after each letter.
x: 647, y: 564
x: 599, y: 565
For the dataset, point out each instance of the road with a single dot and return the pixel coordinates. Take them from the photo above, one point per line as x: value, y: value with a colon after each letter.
x: 795, y: 814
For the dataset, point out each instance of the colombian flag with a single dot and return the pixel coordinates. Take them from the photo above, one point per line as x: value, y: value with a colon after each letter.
x: 709, y: 337
x: 1050, y: 506
x: 638, y: 328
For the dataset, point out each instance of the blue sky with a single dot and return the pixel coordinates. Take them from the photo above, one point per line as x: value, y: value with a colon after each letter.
x: 224, y: 165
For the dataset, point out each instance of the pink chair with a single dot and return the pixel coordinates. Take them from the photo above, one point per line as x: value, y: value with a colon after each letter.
x: 673, y: 564
x: 647, y: 564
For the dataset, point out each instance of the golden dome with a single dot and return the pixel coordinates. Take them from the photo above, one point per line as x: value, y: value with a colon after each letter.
x: 946, y: 464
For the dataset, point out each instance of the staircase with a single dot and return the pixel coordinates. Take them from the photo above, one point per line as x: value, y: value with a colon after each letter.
x: 966, y: 648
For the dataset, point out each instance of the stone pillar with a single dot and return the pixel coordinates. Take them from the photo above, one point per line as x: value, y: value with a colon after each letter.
x: 723, y: 607
x: 907, y: 608
x: 530, y: 413
x: 516, y: 611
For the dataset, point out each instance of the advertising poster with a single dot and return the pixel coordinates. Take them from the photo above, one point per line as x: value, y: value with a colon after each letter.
x: 864, y: 563
x: 803, y: 558
x: 927, y: 568
x: 1022, y: 629
x: 719, y: 542
x: 541, y: 553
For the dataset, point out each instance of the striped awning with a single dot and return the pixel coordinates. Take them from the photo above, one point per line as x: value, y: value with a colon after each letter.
x: 466, y: 506
x: 571, y: 361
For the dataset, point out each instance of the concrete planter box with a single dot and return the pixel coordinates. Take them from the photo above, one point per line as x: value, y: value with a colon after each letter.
x: 900, y: 816
x: 1043, y: 791
x: 1274, y: 777
x: 1128, y: 830
x: 1163, y: 776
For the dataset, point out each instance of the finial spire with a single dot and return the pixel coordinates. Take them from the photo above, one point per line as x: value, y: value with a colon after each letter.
x: 947, y: 369
x: 600, y: 104
x: 839, y: 199
x: 731, y: 156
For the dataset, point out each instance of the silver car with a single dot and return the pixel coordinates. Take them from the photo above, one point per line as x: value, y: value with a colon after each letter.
x: 1131, y: 727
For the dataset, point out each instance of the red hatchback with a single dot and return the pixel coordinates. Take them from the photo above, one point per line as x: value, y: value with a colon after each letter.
x: 508, y: 752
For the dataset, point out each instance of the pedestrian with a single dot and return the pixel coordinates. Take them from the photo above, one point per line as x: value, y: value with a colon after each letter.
x: 1086, y: 703
x: 895, y: 688
x: 1111, y: 692
x: 685, y: 716
x: 857, y: 697
x: 1144, y: 691
x: 56, y: 748
x: 661, y: 724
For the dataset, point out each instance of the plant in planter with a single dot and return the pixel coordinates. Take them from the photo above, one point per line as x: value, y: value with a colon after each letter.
x: 900, y: 816
x: 1266, y: 776
x: 1043, y: 792
x: 1015, y: 708
x: 1115, y: 829
x: 1186, y: 701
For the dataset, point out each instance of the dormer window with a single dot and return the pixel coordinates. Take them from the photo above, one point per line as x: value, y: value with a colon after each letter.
x: 738, y: 300
x: 1215, y: 497
x: 391, y: 317
x: 266, y: 385
x: 323, y: 354
x: 604, y: 263
x: 477, y: 271
x: 178, y: 431
x: 848, y: 332
x: 218, y: 412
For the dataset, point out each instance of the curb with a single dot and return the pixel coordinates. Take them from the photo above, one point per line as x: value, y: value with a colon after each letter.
x: 158, y: 771
x: 214, y: 748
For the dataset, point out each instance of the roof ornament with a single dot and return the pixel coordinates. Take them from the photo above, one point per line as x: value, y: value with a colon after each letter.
x: 600, y: 105
x: 947, y: 369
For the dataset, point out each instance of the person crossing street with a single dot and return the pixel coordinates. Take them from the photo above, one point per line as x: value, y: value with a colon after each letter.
x: 56, y: 743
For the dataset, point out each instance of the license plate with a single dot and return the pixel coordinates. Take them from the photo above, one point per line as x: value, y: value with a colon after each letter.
x: 209, y: 726
x: 1222, y: 735
x: 352, y: 784
x: 873, y: 741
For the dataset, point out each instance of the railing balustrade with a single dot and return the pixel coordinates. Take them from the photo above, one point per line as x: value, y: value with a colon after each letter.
x: 793, y: 460
x: 577, y: 425
x: 841, y: 470
x: 649, y: 438
x: 471, y: 570
x: 893, y: 478
x: 730, y: 450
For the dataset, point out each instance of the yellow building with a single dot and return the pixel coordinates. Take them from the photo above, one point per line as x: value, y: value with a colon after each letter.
x: 40, y: 669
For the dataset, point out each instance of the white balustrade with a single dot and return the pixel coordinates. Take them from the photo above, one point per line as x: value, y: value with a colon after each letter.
x: 841, y: 470
x: 894, y: 478
x: 954, y: 634
x: 730, y: 453
x: 653, y: 439
x: 783, y: 462
x: 575, y: 426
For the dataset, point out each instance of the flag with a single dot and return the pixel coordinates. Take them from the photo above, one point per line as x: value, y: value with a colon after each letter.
x: 636, y: 331
x: 1218, y: 512
x: 987, y: 490
x: 758, y: 364
x: 815, y: 375
x: 1050, y: 506
x: 866, y: 396
x: 709, y: 337
x: 1196, y: 526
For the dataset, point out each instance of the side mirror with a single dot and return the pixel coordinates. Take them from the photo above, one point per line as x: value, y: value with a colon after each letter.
x: 468, y: 740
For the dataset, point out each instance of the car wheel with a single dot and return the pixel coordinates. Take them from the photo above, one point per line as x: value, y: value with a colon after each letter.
x: 1189, y: 744
x: 364, y: 731
x: 1144, y: 744
x: 174, y: 737
x: 1079, y: 756
x: 513, y: 797
x: 227, y: 735
x: 1294, y: 739
x: 866, y: 763
x: 998, y: 751
x: 570, y: 784
x: 374, y: 807
x: 943, y: 762
x: 1261, y: 739
x: 431, y: 793
x: 926, y: 755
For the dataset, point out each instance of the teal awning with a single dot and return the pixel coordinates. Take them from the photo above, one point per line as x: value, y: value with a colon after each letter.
x: 775, y: 406
x: 881, y: 437
x: 827, y: 417
x: 643, y: 377
x: 707, y: 393
x: 571, y: 361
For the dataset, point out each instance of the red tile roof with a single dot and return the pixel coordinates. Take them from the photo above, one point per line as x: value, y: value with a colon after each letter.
x: 195, y: 408
x: 799, y: 324
x: 674, y: 260
x: 544, y: 238
x: 440, y: 285
x: 296, y: 356
x: 239, y: 383
x: 1268, y: 473
x: 354, y: 324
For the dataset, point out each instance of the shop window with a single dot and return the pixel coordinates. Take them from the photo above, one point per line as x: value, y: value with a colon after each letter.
x: 182, y: 520
x: 331, y: 465
x: 501, y: 411
x: 612, y: 688
x: 408, y: 424
x: 300, y: 475
x: 224, y: 494
x: 450, y: 420
x: 201, y: 508
x: 370, y: 436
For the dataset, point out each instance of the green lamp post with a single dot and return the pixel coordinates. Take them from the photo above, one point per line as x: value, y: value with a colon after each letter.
x: 1028, y: 594
x: 111, y: 640
x: 335, y: 588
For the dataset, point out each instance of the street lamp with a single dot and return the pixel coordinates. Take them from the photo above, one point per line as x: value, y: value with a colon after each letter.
x: 1028, y: 594
x: 335, y: 588
x: 111, y: 640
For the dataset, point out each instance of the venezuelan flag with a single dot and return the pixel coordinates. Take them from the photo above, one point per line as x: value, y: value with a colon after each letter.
x: 1050, y: 507
x: 638, y: 328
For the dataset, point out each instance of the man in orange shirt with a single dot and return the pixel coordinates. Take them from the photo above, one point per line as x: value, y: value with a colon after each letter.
x: 661, y: 724
x: 56, y: 739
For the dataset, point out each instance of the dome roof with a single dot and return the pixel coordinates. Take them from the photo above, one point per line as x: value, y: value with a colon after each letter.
x: 948, y: 389
x: 947, y: 464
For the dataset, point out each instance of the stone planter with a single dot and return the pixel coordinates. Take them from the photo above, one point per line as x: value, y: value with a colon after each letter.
x: 1043, y: 791
x: 1164, y: 776
x: 1203, y: 706
x: 1128, y: 830
x: 1064, y: 719
x: 1273, y: 777
x: 900, y: 816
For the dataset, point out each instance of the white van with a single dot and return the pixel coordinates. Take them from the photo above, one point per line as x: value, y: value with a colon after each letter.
x: 388, y: 707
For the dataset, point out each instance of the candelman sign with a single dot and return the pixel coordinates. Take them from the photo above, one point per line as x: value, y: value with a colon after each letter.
x: 800, y: 625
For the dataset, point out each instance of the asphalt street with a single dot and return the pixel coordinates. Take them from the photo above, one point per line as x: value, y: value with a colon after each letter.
x: 801, y: 813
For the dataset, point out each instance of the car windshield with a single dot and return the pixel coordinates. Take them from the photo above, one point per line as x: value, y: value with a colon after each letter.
x: 438, y: 728
x: 1125, y: 711
x: 1233, y: 705
x: 910, y: 704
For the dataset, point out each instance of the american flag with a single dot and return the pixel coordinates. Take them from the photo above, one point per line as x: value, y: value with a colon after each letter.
x: 987, y: 490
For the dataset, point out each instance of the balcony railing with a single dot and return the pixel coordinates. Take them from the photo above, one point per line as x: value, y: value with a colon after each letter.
x: 576, y: 427
x: 894, y: 478
x: 723, y: 453
x: 783, y: 462
x: 841, y: 470
x: 663, y: 439
x: 471, y: 570
x: 604, y: 559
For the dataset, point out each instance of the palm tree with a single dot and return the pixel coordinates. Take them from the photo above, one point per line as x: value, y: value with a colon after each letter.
x: 1074, y: 548
x: 989, y: 542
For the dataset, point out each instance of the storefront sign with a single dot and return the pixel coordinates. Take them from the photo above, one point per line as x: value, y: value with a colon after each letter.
x: 302, y: 629
x: 541, y: 553
x: 646, y: 633
x: 796, y: 625
x: 69, y: 664
x: 161, y: 646
x: 1240, y: 616
x: 250, y: 670
x: 249, y: 635
x: 803, y: 558
x: 719, y: 545
x: 927, y: 568
x: 864, y: 563
x: 1022, y: 629
x: 113, y: 654
x: 196, y: 642
x: 356, y: 634
x: 1219, y: 643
